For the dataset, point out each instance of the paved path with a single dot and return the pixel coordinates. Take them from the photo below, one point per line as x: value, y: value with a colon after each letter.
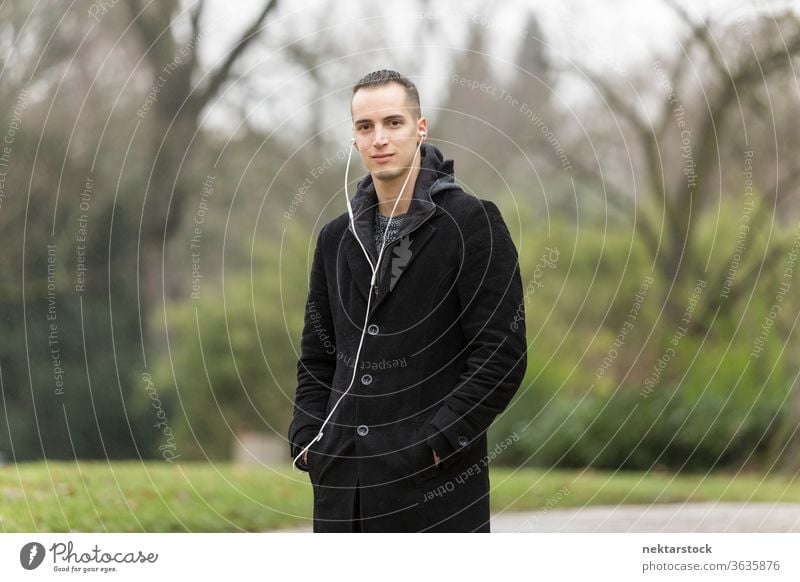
x: 673, y: 518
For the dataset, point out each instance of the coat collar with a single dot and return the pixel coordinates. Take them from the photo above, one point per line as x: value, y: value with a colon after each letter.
x: 435, y: 175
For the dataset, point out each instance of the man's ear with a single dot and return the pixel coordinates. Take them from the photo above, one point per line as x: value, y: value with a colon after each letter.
x: 422, y: 127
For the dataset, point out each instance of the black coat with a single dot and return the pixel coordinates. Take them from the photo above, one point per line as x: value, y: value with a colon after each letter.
x: 444, y: 353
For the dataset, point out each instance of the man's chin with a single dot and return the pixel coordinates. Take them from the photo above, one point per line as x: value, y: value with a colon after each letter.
x: 387, y: 174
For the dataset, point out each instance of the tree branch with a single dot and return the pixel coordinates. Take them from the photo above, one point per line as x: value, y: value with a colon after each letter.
x: 156, y: 44
x: 221, y: 74
x: 195, y: 19
x: 646, y: 135
x: 644, y: 132
x: 700, y: 33
x: 748, y: 72
x: 620, y: 202
x: 615, y: 101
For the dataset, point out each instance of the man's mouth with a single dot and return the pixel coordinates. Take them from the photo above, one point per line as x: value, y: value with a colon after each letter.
x: 382, y: 158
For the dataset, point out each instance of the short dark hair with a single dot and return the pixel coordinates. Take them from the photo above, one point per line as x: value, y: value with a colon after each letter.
x: 384, y: 77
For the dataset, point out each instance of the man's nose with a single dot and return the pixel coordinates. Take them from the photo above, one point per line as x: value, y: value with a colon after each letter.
x: 380, y: 137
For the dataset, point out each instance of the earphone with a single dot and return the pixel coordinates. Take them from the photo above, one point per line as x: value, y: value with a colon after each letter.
x: 374, y: 268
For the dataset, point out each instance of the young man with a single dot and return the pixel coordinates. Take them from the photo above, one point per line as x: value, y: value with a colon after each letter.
x: 425, y: 353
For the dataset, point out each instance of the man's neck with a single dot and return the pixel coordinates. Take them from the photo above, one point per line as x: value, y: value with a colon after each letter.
x: 388, y: 191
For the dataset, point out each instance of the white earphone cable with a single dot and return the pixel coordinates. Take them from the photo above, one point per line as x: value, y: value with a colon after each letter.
x: 371, y: 285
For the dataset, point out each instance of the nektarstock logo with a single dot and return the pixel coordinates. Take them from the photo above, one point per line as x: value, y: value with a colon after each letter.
x: 31, y: 555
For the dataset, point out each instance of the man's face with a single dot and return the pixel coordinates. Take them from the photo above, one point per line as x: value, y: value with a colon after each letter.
x: 386, y: 130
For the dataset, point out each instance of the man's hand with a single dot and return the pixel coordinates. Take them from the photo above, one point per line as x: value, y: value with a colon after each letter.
x: 436, y: 458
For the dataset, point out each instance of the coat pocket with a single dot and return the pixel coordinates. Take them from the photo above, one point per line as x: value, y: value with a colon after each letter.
x: 425, y: 468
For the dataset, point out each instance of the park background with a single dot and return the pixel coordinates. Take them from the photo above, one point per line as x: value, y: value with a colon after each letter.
x: 166, y: 167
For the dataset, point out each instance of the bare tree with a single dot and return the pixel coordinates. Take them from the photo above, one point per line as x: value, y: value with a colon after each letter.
x: 679, y: 187
x: 176, y: 116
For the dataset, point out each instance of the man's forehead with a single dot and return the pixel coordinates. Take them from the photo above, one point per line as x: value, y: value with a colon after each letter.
x: 380, y: 102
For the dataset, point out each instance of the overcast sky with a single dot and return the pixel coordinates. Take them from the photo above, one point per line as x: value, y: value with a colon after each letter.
x: 611, y: 35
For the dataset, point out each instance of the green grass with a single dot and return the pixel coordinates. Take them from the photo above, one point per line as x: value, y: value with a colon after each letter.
x: 199, y: 497
x: 151, y: 497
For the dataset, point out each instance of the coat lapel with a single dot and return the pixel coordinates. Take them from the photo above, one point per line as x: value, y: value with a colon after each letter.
x: 435, y: 175
x: 359, y: 269
x: 398, y: 259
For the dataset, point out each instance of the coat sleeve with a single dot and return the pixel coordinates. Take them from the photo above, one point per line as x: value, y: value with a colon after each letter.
x: 493, y: 322
x: 317, y: 362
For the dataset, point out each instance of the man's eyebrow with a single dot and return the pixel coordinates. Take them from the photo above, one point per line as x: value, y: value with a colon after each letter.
x: 388, y: 117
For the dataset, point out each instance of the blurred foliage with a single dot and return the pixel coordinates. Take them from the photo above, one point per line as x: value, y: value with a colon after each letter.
x: 230, y: 358
x: 711, y: 404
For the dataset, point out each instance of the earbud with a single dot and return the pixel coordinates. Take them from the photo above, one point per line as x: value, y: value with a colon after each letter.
x: 422, y: 133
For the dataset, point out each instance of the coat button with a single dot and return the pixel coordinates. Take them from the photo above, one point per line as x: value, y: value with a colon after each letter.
x: 373, y: 329
x: 362, y: 430
x: 463, y: 441
x: 366, y: 379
